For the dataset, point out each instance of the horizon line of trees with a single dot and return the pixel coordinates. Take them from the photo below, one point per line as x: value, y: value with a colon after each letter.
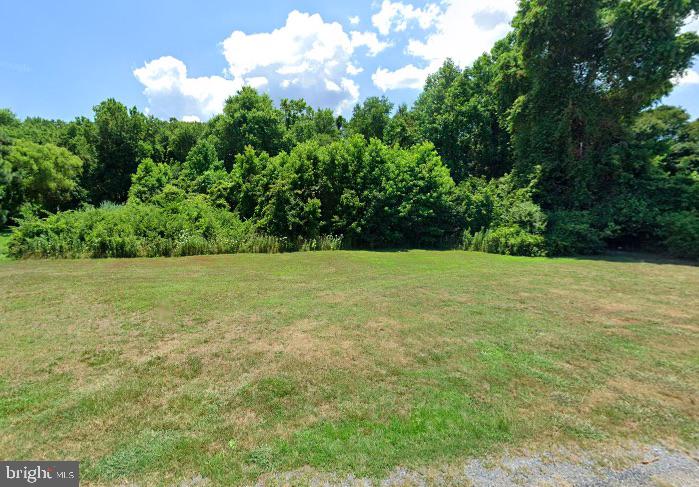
x: 551, y: 143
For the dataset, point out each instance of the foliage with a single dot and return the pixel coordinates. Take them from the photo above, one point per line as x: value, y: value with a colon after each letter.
x: 43, y: 175
x: 458, y: 111
x: 149, y: 180
x: 119, y: 148
x: 507, y: 240
x: 591, y: 67
x: 369, y: 193
x: 371, y: 118
x: 551, y: 135
x: 402, y: 130
x: 183, y: 227
x: 572, y: 233
x: 251, y: 119
x: 679, y: 233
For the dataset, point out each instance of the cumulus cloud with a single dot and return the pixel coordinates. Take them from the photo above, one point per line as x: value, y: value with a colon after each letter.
x: 461, y: 30
x: 353, y: 70
x: 171, y: 92
x: 395, y: 16
x: 408, y: 76
x: 354, y: 20
x: 307, y: 57
x: 370, y: 40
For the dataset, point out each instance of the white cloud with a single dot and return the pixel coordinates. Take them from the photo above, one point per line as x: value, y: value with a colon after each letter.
x: 332, y: 86
x: 353, y: 70
x: 690, y: 77
x: 305, y: 40
x: 257, y: 81
x: 171, y: 92
x: 368, y: 39
x: 354, y: 20
x: 307, y: 57
x: 406, y: 77
x: 396, y: 16
x: 352, y: 88
x: 191, y: 118
x: 463, y: 30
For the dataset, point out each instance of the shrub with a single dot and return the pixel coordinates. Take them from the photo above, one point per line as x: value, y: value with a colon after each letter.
x: 497, y: 203
x: 510, y: 240
x: 184, y: 227
x: 326, y: 242
x: 571, y: 232
x: 150, y: 179
x: 679, y: 233
x: 263, y: 244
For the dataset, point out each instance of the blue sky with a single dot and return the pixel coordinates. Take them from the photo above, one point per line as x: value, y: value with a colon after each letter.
x: 182, y: 58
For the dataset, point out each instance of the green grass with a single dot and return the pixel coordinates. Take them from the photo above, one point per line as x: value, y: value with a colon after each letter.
x: 156, y: 370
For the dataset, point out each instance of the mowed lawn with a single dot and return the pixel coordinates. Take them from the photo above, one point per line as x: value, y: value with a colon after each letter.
x: 157, y: 370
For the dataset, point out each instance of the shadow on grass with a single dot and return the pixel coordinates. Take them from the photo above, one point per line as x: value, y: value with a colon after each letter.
x: 621, y: 256
x: 635, y: 257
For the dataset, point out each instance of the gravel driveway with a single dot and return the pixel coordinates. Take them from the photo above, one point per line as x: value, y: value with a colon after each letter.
x: 632, y: 465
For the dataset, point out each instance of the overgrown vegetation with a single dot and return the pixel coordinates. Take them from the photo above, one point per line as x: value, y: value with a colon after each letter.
x: 549, y: 144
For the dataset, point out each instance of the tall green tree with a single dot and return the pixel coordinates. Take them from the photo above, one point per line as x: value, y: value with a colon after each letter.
x: 591, y: 65
x: 371, y: 117
x: 119, y: 149
x: 248, y: 118
x: 182, y: 136
x: 402, y: 130
x: 43, y: 175
x: 149, y: 179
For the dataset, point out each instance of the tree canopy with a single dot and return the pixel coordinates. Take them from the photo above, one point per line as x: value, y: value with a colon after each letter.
x: 552, y: 142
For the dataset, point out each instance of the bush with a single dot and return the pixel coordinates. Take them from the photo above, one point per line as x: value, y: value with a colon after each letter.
x: 679, y: 233
x: 326, y: 242
x: 178, y: 226
x: 185, y: 227
x: 571, y: 233
x: 510, y: 240
x: 264, y: 244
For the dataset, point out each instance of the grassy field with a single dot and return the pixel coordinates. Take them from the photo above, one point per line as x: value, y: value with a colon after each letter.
x: 156, y: 370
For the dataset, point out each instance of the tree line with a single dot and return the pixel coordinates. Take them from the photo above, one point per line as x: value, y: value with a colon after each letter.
x: 550, y: 144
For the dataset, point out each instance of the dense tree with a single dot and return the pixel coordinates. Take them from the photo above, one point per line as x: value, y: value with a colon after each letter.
x: 248, y: 118
x: 149, y: 180
x: 43, y: 175
x: 591, y: 66
x: 402, y: 130
x: 546, y: 144
x: 181, y: 137
x: 250, y: 179
x: 671, y: 141
x: 371, y: 118
x: 201, y: 158
x: 430, y: 109
x: 119, y: 147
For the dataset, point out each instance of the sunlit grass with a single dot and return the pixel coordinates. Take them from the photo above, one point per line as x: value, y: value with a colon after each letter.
x: 156, y: 370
